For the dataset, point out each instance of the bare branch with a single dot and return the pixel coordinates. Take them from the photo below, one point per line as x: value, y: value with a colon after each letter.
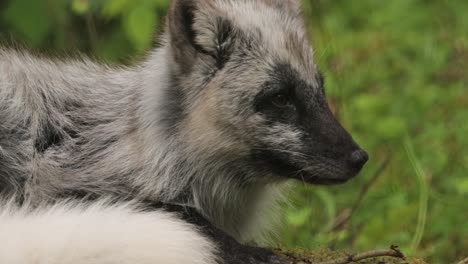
x: 465, y: 261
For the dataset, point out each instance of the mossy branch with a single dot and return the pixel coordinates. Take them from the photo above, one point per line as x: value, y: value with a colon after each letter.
x: 392, y: 252
x: 327, y: 256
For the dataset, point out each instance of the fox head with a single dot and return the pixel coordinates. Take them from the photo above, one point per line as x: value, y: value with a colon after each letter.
x: 246, y: 92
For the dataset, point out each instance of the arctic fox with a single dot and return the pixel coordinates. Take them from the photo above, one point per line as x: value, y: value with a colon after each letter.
x: 190, y: 148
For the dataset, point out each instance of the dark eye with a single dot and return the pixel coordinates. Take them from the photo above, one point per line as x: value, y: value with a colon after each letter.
x: 281, y: 101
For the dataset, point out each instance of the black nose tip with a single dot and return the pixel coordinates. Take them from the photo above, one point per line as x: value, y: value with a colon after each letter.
x: 358, y: 158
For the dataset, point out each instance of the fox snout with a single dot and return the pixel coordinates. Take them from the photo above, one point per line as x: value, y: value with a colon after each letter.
x: 337, y: 156
x: 322, y: 170
x: 358, y: 158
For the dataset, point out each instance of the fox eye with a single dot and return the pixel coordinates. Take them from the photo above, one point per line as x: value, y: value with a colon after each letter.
x: 281, y: 101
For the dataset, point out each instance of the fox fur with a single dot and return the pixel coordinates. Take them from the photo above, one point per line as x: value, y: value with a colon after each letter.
x: 70, y: 232
x: 217, y: 118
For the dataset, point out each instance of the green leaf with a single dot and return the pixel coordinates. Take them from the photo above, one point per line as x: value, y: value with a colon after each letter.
x: 461, y: 185
x: 80, y: 6
x: 299, y: 217
x: 368, y: 102
x: 390, y: 127
x: 113, y: 8
x: 139, y: 25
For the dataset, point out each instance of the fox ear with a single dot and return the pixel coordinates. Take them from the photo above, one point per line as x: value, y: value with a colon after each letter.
x: 197, y: 28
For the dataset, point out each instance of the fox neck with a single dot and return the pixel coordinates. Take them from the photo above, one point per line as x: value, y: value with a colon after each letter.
x: 214, y: 184
x: 216, y: 189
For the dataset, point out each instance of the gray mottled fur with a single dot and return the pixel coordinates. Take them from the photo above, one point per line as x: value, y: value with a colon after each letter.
x: 75, y: 127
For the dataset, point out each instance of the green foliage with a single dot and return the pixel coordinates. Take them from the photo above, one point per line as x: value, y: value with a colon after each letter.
x: 112, y: 30
x: 26, y: 17
x: 396, y: 74
x: 396, y: 77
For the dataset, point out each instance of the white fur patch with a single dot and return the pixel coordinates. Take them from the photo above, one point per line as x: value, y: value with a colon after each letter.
x: 98, y: 234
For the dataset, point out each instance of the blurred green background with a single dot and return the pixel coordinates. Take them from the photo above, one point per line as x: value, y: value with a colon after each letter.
x: 396, y: 75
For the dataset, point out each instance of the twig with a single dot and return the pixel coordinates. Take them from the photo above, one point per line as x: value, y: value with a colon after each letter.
x: 465, y: 261
x: 392, y: 252
x: 366, y: 187
x: 340, y: 223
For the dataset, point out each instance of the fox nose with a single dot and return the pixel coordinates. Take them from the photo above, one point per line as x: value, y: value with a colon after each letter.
x: 358, y: 158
